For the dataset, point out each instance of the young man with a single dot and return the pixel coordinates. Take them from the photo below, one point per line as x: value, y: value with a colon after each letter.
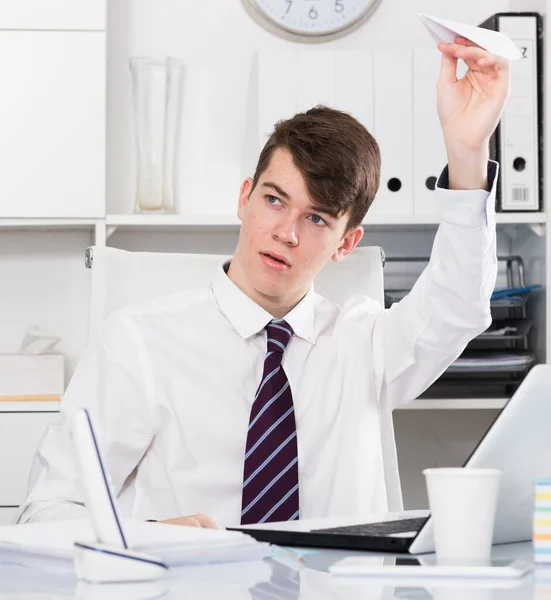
x: 262, y: 402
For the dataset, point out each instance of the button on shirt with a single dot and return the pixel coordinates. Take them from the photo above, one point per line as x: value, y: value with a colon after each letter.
x: 170, y: 385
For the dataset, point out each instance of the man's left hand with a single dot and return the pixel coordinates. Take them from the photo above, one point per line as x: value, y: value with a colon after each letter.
x: 470, y: 108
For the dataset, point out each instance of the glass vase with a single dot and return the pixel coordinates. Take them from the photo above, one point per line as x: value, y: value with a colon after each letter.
x: 156, y: 102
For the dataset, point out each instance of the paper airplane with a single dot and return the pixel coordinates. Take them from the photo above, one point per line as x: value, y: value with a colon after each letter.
x: 443, y: 30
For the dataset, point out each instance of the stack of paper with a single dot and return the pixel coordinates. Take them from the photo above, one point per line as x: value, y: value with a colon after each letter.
x: 491, y: 361
x: 542, y: 521
x: 542, y: 583
x: 51, y: 543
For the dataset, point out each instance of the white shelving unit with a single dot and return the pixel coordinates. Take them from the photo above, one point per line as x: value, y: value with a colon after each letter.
x: 35, y: 407
x: 52, y: 190
x: 213, y: 221
x: 43, y: 258
x: 457, y: 404
x: 61, y: 224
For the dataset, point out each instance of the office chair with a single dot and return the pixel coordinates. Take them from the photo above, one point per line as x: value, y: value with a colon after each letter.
x: 121, y: 278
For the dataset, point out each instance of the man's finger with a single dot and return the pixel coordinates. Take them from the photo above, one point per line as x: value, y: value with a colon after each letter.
x: 459, y: 39
x: 475, y: 53
x: 199, y: 520
x: 493, y: 61
x: 205, y: 521
x: 448, y: 69
x: 466, y: 52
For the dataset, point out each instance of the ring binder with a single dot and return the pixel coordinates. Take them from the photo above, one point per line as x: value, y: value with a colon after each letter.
x: 517, y: 143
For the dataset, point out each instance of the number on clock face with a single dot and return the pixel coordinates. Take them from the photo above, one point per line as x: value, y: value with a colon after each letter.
x: 314, y: 17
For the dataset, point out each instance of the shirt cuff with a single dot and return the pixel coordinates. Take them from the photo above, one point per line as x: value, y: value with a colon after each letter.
x: 470, y: 208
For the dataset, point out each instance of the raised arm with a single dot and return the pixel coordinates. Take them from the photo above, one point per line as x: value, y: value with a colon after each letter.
x: 418, y: 338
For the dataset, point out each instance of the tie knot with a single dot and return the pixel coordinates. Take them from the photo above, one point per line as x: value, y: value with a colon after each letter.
x: 279, y: 334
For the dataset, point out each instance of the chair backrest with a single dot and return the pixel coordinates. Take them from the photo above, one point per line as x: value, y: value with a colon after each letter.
x: 121, y: 278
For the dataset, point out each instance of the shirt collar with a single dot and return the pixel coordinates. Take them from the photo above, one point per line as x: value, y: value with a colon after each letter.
x: 248, y: 318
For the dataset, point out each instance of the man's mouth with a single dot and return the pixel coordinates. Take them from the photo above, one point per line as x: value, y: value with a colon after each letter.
x: 277, y: 257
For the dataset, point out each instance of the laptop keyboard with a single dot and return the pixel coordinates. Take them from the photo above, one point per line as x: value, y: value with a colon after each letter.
x: 382, y: 528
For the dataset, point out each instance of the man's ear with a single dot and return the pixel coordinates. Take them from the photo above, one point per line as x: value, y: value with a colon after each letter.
x: 348, y: 243
x: 244, y: 193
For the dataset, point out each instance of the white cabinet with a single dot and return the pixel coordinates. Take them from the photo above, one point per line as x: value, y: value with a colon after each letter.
x: 53, y: 14
x: 52, y: 119
x: 20, y: 436
x: 7, y: 515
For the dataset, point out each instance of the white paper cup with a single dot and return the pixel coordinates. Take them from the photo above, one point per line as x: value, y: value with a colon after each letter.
x: 463, y: 506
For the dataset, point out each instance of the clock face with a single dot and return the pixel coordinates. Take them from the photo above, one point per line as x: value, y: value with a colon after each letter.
x: 312, y: 18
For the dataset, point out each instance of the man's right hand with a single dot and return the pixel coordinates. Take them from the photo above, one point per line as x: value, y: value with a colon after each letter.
x: 199, y: 520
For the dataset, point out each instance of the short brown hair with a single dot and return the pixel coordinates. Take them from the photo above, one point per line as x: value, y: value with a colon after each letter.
x: 338, y: 158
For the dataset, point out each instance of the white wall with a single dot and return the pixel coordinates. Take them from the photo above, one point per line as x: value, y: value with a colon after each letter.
x: 527, y: 5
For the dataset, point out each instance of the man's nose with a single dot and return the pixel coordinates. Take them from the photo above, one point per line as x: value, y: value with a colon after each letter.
x: 286, y: 230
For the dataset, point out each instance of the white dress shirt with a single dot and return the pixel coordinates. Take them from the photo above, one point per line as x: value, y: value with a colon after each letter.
x: 170, y: 386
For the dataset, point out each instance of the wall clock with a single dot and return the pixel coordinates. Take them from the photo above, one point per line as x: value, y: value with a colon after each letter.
x: 311, y: 20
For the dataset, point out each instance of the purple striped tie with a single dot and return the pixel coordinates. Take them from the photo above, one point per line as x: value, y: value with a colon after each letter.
x: 270, y: 474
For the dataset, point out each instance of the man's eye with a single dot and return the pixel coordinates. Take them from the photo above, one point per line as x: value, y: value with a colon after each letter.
x: 317, y: 220
x: 272, y: 199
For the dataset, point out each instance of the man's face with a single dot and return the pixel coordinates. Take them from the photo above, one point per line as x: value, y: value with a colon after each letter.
x: 284, y: 240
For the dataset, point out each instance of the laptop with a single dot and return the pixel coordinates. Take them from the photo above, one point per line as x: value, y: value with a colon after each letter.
x: 518, y: 443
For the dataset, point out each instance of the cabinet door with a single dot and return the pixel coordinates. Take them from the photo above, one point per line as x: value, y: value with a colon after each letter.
x: 7, y: 514
x: 20, y: 435
x: 52, y: 124
x: 53, y: 14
